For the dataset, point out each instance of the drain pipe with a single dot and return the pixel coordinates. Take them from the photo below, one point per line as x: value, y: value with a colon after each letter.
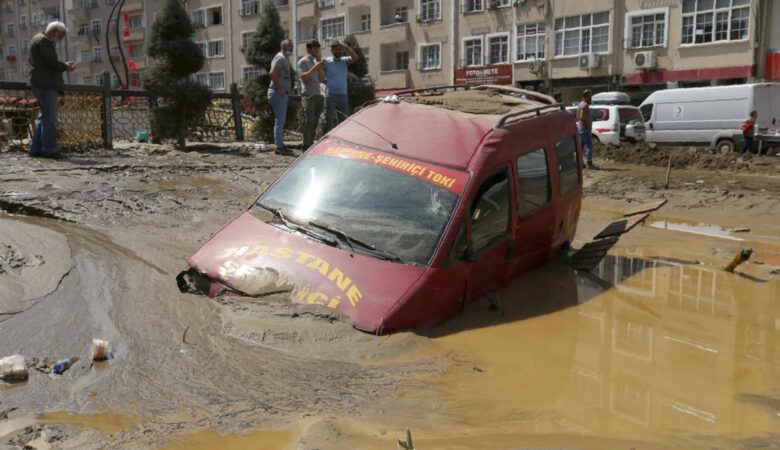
x: 294, y: 21
x: 229, y: 49
x: 453, y: 48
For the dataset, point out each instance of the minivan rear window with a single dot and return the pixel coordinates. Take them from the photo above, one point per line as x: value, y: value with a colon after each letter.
x: 628, y: 115
x: 568, y: 164
x: 599, y: 114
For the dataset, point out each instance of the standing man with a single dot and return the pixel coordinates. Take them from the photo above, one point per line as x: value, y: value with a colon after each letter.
x: 336, y: 99
x: 47, y: 84
x: 748, y: 132
x: 312, y: 74
x: 585, y: 126
x: 278, y: 93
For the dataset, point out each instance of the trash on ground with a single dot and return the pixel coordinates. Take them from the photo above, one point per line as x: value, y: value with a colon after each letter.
x: 645, y: 208
x: 13, y: 368
x: 741, y: 230
x: 101, y: 350
x: 62, y: 365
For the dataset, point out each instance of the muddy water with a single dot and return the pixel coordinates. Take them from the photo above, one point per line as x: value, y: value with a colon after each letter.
x: 647, y: 350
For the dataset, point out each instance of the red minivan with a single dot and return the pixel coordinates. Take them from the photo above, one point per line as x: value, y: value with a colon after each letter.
x: 410, y: 208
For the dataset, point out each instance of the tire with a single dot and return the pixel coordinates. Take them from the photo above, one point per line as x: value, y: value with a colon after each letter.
x: 725, y: 146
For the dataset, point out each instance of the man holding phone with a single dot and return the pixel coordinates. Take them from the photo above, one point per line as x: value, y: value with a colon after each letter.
x: 312, y: 72
x: 47, y: 84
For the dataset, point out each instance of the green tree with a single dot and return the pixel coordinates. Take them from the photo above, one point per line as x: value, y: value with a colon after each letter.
x: 183, y: 101
x: 360, y: 86
x: 262, y: 48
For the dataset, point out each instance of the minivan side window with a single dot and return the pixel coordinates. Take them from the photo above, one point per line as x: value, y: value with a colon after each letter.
x: 534, y: 180
x: 568, y: 164
x: 490, y: 211
x: 647, y: 111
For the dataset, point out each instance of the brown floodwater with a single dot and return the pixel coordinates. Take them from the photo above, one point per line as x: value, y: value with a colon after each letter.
x: 208, y: 438
x: 645, y: 350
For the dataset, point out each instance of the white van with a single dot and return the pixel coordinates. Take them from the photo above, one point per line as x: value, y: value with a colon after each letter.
x: 710, y: 115
x: 614, y: 124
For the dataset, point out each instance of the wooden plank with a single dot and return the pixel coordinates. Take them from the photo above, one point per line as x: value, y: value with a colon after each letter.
x: 645, y: 208
x: 621, y: 226
x: 591, y: 254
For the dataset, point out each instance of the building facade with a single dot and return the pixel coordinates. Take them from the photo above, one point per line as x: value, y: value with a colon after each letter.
x: 635, y: 45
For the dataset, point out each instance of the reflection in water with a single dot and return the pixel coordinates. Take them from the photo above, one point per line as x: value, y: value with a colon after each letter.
x: 653, y: 348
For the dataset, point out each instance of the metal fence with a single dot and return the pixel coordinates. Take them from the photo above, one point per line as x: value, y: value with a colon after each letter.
x: 94, y: 116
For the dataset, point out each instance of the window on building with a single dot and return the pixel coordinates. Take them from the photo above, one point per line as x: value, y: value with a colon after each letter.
x: 215, y: 15
x: 647, y: 30
x: 334, y: 28
x: 401, y: 14
x: 95, y: 26
x: 87, y: 80
x: 135, y: 22
x: 217, y: 80
x: 402, y: 60
x: 705, y: 21
x: 202, y: 78
x: 83, y: 29
x: 22, y: 22
x: 114, y: 81
x: 10, y: 29
x: 534, y: 182
x: 430, y: 10
x: 246, y: 38
x: 85, y: 56
x: 326, y: 3
x: 135, y: 80
x: 25, y: 47
x: 504, y: 3
x: 199, y: 18
x: 472, y: 52
x: 530, y: 41
x: 203, y: 48
x: 97, y: 54
x: 365, y: 22
x: 10, y: 50
x: 366, y: 54
x: 430, y: 56
x: 588, y: 33
x: 250, y: 7
x: 498, y: 49
x: 137, y: 51
x: 249, y: 72
x: 216, y: 49
x: 490, y: 211
x: 473, y: 5
x: 8, y: 7
x: 568, y: 164
x: 111, y: 2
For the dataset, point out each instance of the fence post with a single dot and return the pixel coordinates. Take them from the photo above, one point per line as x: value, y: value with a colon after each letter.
x: 235, y: 101
x: 108, y: 121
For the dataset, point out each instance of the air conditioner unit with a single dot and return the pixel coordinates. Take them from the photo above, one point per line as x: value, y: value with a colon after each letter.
x: 589, y: 61
x: 645, y: 60
x: 536, y: 66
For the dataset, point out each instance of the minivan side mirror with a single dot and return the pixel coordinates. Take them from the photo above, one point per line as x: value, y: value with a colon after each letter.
x: 468, y: 253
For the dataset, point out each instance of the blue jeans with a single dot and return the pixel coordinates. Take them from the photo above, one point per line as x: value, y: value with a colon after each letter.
x: 586, y: 137
x: 279, y: 105
x: 44, y: 141
x: 747, y: 144
x: 333, y: 103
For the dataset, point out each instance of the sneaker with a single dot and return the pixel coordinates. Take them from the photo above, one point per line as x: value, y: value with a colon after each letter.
x: 591, y: 165
x: 284, y: 151
x: 55, y: 155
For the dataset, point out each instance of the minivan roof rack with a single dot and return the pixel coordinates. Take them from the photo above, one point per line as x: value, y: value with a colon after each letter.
x: 501, y: 122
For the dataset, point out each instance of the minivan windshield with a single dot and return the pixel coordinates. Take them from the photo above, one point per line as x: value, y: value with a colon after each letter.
x: 389, y: 205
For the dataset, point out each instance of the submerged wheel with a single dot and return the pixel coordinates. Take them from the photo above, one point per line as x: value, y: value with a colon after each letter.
x: 725, y: 146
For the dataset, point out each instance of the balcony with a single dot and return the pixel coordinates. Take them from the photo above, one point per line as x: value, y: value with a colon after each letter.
x: 133, y: 5
x: 136, y: 34
x: 306, y: 8
x: 393, y: 79
x: 394, y: 32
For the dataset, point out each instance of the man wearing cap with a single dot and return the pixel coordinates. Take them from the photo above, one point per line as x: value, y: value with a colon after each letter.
x: 47, y: 84
x: 336, y: 100
x: 312, y: 72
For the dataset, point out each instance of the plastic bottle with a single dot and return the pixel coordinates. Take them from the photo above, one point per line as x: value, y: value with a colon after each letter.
x: 13, y: 368
x: 62, y: 365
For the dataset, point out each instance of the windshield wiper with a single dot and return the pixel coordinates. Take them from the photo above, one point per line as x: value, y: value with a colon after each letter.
x: 351, y: 241
x: 296, y: 226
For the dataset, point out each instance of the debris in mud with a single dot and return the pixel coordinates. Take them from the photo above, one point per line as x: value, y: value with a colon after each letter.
x: 12, y: 261
x: 41, y: 365
x: 101, y: 350
x: 743, y: 256
x: 13, y: 368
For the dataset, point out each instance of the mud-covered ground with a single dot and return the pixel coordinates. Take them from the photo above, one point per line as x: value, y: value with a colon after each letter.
x: 655, y: 348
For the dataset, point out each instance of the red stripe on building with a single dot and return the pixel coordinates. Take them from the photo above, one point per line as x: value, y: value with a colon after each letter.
x: 664, y: 76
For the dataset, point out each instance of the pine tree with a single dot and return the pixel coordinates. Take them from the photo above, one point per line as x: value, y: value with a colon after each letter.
x: 176, y: 58
x: 360, y: 85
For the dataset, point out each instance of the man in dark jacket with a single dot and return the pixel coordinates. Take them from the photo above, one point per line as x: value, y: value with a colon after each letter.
x: 46, y: 82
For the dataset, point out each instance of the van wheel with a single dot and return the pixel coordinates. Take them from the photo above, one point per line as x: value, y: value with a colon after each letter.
x: 725, y: 146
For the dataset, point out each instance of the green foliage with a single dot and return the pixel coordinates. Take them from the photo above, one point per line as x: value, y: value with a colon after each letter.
x: 359, y: 68
x: 267, y: 38
x: 183, y: 102
x: 359, y: 90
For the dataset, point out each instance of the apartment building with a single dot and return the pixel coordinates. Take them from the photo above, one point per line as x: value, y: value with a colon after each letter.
x: 20, y: 20
x: 637, y: 45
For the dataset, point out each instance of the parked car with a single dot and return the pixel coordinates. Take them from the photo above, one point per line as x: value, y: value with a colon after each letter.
x: 407, y: 210
x: 615, y: 124
x: 710, y: 116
